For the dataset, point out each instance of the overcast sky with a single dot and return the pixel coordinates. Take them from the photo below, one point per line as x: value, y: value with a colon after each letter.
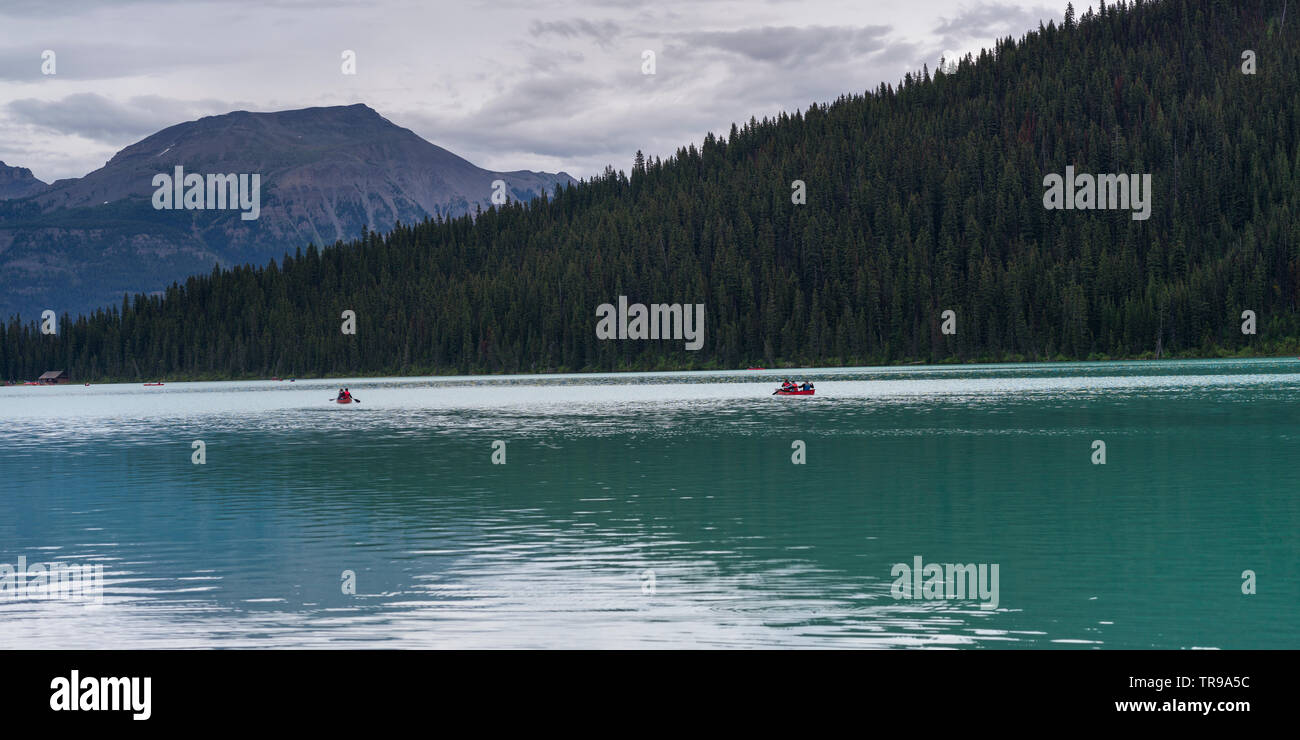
x: 508, y: 84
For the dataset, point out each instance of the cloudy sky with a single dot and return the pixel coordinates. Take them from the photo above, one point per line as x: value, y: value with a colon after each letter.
x: 508, y: 84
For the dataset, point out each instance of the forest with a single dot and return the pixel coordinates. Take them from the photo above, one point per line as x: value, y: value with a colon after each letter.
x: 919, y: 197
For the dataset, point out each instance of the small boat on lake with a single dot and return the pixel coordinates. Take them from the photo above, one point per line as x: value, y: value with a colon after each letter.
x: 794, y: 389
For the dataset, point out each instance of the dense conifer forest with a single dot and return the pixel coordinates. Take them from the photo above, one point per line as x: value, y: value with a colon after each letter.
x: 920, y: 198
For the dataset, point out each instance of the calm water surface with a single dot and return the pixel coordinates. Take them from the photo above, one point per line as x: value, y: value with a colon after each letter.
x: 688, y: 476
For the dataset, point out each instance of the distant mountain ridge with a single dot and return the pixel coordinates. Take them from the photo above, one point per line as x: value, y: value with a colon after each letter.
x: 18, y: 182
x: 326, y: 175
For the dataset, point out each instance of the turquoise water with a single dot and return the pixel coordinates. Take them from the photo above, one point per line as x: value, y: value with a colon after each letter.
x: 664, y: 510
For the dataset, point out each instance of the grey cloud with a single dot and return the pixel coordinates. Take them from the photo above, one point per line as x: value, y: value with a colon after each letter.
x: 42, y: 8
x: 602, y: 32
x: 562, y: 117
x: 566, y: 88
x: 992, y: 20
x: 550, y: 60
x: 575, y: 141
x: 760, y: 90
x: 537, y: 96
x: 66, y: 8
x: 99, y: 118
x: 99, y: 61
x: 789, y: 45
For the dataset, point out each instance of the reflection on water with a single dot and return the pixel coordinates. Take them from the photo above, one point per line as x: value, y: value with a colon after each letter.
x: 663, y: 509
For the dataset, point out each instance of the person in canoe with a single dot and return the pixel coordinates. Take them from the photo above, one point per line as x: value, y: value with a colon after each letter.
x: 787, y: 385
x: 806, y: 386
x: 343, y: 394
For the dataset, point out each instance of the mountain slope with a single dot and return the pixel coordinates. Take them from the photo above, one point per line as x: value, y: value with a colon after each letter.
x: 326, y: 174
x: 18, y: 182
x: 921, y: 199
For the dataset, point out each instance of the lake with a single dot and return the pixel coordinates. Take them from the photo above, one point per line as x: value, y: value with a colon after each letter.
x: 664, y: 510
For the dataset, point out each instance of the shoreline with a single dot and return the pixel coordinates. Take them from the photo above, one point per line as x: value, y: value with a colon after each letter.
x: 558, y: 375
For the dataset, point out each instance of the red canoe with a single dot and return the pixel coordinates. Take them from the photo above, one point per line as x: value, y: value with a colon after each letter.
x: 344, y: 400
x: 796, y: 393
x: 153, y: 383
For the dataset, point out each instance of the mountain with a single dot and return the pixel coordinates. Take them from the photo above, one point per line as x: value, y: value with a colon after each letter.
x: 326, y: 174
x: 923, y: 198
x: 18, y: 182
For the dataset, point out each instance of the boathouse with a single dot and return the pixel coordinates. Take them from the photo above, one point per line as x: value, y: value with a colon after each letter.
x: 53, y: 377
